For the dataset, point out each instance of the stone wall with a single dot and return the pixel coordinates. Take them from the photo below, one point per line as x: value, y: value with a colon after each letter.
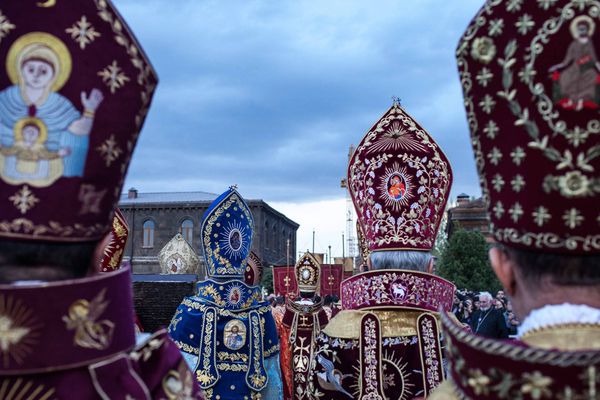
x: 156, y: 297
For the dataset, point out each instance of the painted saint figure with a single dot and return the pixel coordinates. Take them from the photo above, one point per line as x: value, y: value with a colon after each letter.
x: 397, y: 187
x: 576, y: 76
x: 234, y: 341
x: 39, y: 64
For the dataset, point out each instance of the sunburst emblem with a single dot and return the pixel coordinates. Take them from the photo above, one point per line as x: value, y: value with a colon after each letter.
x: 396, y: 187
x: 19, y: 330
x: 234, y: 240
x: 396, y: 378
x: 396, y: 137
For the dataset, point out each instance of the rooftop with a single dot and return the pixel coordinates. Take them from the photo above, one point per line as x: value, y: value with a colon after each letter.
x: 167, y: 197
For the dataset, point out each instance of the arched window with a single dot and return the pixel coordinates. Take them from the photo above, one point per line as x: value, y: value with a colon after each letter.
x: 187, y: 230
x: 148, y: 240
x: 267, y: 236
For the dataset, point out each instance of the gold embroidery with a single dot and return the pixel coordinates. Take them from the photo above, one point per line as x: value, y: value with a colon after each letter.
x: 186, y: 347
x: 82, y: 317
x: 145, y: 352
x: 113, y: 76
x: 179, y: 384
x: 222, y: 313
x: 257, y: 379
x: 204, y: 372
x: 110, y: 150
x: 24, y: 199
x: 232, y: 367
x: 346, y: 323
x: 26, y: 389
x: 83, y: 32
x: 5, y: 26
x: 233, y: 357
x: 571, y: 337
x: 19, y: 330
x: 90, y: 199
x: 223, y: 267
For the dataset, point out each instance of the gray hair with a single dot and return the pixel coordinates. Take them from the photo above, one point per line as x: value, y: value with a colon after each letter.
x: 410, y: 260
x: 486, y: 295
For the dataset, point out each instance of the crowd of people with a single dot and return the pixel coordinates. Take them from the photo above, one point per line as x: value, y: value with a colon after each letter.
x: 496, y: 312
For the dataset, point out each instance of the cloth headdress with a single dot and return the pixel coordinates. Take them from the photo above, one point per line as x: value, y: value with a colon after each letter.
x: 399, y: 180
x: 226, y: 234
x: 64, y: 154
x: 308, y: 275
x: 531, y: 86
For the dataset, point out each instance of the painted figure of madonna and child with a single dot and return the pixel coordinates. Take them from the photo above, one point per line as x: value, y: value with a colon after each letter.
x: 43, y: 135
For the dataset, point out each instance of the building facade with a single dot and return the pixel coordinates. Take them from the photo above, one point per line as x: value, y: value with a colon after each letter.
x: 154, y: 218
x: 469, y: 214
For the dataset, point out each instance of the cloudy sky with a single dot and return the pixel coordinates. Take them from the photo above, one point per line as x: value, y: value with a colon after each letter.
x: 270, y: 94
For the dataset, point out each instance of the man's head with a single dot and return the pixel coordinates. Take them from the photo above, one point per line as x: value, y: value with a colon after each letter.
x: 500, y: 294
x: 421, y: 261
x: 533, y: 279
x: 485, y: 301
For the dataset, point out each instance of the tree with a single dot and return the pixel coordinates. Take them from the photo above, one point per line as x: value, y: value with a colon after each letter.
x: 464, y: 261
x: 267, y: 278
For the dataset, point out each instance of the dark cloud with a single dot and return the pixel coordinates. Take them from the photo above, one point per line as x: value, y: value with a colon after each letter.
x: 270, y: 95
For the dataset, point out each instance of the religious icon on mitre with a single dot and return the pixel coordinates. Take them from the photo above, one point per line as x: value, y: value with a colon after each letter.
x: 74, y: 95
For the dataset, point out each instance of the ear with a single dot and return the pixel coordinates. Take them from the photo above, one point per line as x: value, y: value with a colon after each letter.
x: 431, y: 266
x: 504, y: 270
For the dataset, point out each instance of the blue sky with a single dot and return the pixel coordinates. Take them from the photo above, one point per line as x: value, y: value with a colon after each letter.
x: 270, y: 94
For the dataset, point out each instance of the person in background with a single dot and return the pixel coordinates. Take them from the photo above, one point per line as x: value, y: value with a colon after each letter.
x: 539, y: 173
x: 488, y: 321
x: 385, y: 342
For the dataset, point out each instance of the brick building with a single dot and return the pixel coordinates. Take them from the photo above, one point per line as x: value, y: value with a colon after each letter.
x: 154, y: 218
x: 469, y: 214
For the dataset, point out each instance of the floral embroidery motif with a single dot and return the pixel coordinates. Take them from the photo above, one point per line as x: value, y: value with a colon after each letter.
x: 113, y: 77
x: 83, y: 318
x: 400, y: 194
x: 535, y: 94
x: 24, y: 199
x: 371, y: 385
x: 399, y: 288
x: 206, y: 372
x: 233, y: 295
x: 483, y: 50
x: 110, y: 150
x: 431, y: 355
x: 528, y: 374
x: 83, y: 32
x: 256, y: 377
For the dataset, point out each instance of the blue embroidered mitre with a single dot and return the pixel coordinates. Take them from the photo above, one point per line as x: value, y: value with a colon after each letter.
x: 226, y: 235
